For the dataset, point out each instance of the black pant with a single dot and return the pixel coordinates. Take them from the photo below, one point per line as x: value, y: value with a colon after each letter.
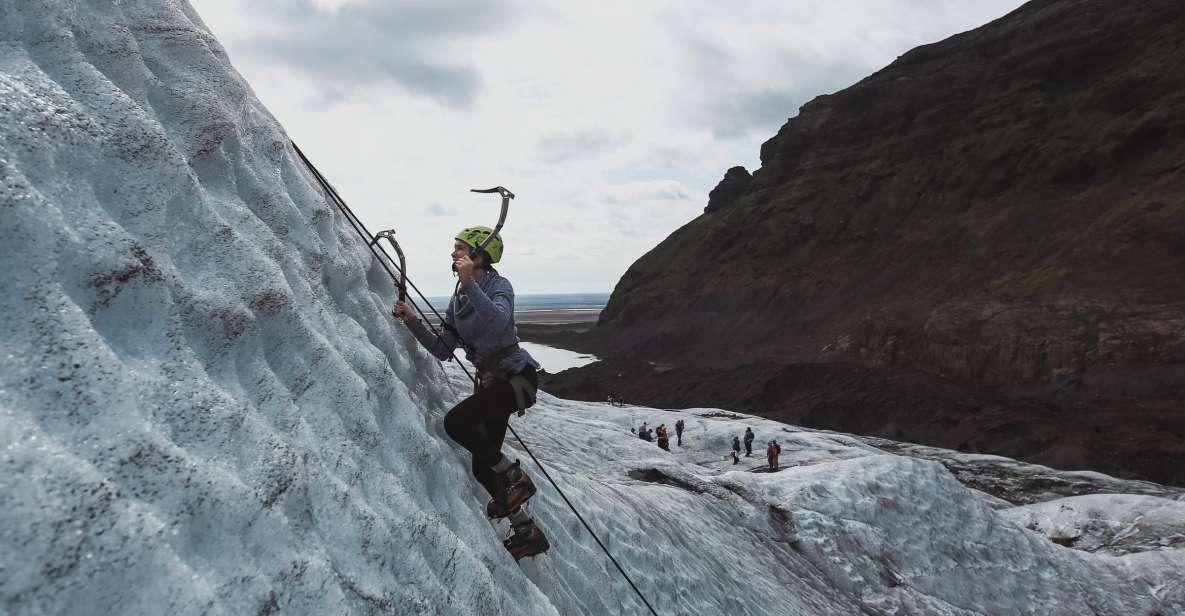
x: 479, y: 423
x: 748, y: 448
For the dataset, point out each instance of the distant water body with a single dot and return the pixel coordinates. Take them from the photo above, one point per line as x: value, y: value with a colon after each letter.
x: 549, y: 307
x: 552, y: 308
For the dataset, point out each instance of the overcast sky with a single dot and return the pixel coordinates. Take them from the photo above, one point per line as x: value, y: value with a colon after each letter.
x: 611, y: 121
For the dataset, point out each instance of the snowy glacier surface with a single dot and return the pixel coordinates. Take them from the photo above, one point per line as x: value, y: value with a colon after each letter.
x: 205, y: 407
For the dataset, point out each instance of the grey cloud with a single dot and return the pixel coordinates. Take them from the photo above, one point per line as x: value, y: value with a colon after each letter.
x: 734, y: 109
x: 439, y: 209
x: 629, y: 230
x: 677, y: 156
x: 563, y: 147
x: 737, y: 115
x: 710, y: 60
x: 377, y: 42
x: 672, y: 193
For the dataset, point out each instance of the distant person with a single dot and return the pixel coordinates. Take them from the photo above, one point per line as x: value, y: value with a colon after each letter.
x: 648, y: 435
x: 642, y: 431
x: 748, y: 442
x: 664, y: 441
x: 633, y: 431
x: 609, y: 399
x: 736, y: 445
x: 735, y: 459
x: 772, y: 451
x: 679, y: 432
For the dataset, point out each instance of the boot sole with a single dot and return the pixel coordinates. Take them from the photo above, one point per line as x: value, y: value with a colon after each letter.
x: 527, y: 492
x: 518, y: 557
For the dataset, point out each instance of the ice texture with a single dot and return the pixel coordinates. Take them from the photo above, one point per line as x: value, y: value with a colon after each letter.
x: 841, y: 528
x: 205, y: 407
x: 1110, y: 523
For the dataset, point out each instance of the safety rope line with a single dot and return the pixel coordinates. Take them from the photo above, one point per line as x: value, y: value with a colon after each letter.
x: 581, y: 518
x: 384, y: 259
x: 381, y: 253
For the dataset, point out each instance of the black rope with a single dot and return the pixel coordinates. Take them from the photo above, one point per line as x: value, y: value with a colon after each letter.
x: 380, y: 254
x: 581, y: 518
x: 384, y: 259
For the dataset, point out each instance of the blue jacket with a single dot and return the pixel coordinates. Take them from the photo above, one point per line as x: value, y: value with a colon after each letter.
x: 483, y: 314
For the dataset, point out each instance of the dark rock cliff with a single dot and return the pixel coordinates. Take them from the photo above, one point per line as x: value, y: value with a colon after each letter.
x: 736, y: 181
x: 1002, y: 211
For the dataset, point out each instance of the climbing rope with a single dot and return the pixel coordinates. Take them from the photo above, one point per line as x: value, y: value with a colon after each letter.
x: 385, y: 259
x: 381, y: 255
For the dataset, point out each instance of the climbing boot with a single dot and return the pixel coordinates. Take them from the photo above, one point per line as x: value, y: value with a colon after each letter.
x: 514, y: 488
x: 526, y: 540
x: 495, y: 510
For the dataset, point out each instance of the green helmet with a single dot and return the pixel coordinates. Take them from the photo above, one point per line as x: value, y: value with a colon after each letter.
x: 473, y: 236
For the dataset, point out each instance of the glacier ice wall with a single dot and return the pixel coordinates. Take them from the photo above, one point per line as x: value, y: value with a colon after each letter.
x: 203, y: 405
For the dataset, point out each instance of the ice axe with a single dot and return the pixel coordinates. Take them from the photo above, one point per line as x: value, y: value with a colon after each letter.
x: 506, y: 197
x: 389, y: 234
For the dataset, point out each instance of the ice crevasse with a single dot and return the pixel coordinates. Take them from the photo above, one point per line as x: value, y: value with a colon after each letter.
x: 205, y: 407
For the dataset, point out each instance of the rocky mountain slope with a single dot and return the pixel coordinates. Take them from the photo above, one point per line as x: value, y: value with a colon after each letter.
x: 979, y: 246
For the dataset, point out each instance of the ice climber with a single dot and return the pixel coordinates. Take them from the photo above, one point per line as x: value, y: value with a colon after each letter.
x: 748, y: 442
x: 480, y: 317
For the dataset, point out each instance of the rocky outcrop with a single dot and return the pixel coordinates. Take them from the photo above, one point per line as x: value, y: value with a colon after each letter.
x: 1036, y: 161
x: 736, y: 180
x: 1001, y: 209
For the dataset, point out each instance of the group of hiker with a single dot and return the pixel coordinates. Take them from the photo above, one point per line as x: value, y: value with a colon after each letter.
x: 772, y: 449
x: 660, y: 434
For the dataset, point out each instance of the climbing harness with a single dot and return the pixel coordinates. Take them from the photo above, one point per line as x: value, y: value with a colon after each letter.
x: 372, y: 242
